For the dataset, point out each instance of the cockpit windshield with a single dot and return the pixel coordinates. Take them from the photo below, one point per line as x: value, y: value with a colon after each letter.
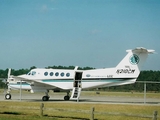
x: 31, y: 73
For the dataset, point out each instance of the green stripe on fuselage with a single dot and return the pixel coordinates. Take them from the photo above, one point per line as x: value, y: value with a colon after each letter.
x: 87, y: 80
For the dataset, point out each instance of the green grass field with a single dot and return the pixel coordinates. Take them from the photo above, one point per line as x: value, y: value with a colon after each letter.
x: 10, y: 110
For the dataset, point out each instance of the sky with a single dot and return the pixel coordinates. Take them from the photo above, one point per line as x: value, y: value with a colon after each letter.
x: 94, y: 33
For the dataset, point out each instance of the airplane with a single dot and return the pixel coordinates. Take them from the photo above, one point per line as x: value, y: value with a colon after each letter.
x: 44, y: 80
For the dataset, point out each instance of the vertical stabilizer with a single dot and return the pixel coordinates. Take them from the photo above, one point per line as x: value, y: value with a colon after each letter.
x: 133, y: 61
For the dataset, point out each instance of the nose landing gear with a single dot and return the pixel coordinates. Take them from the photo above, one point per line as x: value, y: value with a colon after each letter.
x: 8, y: 96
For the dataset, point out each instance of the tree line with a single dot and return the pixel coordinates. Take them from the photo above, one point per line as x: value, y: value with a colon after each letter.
x: 144, y: 76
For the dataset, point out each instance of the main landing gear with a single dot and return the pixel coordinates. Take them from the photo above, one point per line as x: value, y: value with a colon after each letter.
x: 46, y: 97
x: 67, y: 97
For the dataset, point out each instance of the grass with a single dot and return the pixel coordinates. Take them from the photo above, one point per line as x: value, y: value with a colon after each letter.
x: 10, y: 110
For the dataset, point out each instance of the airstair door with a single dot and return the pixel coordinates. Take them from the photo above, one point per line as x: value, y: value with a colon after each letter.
x: 77, y: 85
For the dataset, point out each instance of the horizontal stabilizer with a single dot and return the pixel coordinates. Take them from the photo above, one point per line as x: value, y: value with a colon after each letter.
x: 141, y: 50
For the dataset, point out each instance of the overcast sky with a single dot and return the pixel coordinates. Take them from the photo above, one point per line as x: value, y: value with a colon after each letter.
x: 94, y: 33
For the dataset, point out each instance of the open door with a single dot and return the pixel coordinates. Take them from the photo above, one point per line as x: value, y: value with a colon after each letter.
x: 77, y: 85
x: 77, y: 79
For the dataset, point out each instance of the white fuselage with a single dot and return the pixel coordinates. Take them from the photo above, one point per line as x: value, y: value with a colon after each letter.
x: 43, y: 80
x: 50, y: 79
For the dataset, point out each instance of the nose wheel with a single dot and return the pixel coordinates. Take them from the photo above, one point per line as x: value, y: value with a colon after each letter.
x: 8, y: 96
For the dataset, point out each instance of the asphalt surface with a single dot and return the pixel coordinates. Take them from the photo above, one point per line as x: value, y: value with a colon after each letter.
x: 100, y: 99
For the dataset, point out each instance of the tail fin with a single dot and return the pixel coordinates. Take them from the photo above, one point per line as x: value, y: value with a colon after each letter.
x: 131, y: 64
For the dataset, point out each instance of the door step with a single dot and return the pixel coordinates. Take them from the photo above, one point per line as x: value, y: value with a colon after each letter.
x: 75, y: 93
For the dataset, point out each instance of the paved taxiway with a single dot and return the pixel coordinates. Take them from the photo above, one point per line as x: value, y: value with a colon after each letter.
x: 58, y: 97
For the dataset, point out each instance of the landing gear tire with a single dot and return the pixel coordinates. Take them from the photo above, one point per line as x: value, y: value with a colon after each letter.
x: 66, y: 97
x: 45, y: 98
x: 8, y: 96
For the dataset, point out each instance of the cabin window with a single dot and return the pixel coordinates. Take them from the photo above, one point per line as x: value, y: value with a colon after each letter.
x: 68, y: 74
x: 46, y: 73
x: 56, y: 74
x: 62, y: 74
x: 51, y: 73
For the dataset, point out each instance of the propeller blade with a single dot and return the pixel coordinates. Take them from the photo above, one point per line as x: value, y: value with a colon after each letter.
x: 9, y: 72
x: 9, y: 75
